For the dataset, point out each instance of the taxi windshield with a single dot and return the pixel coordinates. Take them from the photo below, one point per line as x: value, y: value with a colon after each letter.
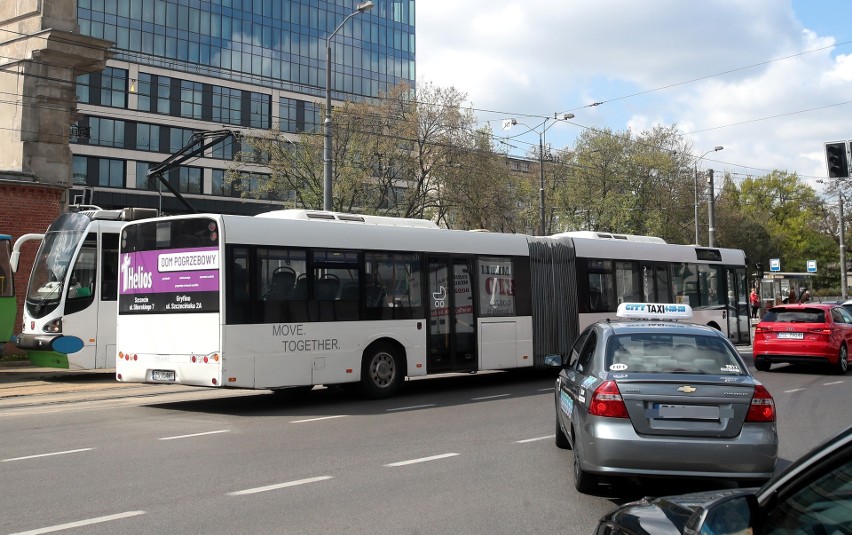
x: 671, y: 353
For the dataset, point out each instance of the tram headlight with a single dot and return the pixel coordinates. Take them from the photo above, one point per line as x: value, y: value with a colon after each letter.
x: 53, y: 327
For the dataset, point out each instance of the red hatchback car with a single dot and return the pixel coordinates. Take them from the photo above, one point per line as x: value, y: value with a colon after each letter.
x: 804, y: 334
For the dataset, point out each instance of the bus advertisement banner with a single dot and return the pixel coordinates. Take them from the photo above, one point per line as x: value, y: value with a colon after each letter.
x: 169, y: 281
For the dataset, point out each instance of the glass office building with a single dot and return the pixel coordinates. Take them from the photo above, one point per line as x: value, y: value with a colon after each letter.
x: 186, y: 66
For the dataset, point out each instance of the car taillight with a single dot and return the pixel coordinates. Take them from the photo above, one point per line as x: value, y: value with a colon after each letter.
x: 607, y: 401
x: 762, y: 407
x: 762, y: 329
x: 821, y: 330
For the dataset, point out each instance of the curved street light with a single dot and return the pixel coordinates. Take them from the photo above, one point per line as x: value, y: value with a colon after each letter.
x: 565, y: 117
x: 711, y: 223
x: 328, y: 162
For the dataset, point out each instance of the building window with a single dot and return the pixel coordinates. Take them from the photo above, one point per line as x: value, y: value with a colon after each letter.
x: 106, y: 132
x: 148, y: 137
x: 190, y: 99
x: 105, y: 88
x: 110, y: 173
x: 80, y: 170
x: 190, y: 179
x: 227, y: 105
x: 260, y: 109
x: 220, y: 187
x: 142, y: 180
x: 298, y: 116
x: 178, y: 138
x: 114, y: 88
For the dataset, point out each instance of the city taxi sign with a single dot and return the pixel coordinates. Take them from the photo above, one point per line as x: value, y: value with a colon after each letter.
x: 654, y: 311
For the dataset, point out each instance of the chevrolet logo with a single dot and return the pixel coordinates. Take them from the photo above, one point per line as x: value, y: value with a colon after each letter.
x: 686, y: 388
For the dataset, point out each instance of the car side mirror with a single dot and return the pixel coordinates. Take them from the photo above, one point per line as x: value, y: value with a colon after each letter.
x: 554, y: 361
x: 732, y: 514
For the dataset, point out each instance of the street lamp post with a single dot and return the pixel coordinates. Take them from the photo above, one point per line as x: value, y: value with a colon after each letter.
x: 541, y: 215
x: 328, y: 162
x: 714, y: 149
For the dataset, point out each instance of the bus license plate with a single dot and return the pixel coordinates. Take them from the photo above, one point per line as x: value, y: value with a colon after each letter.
x: 790, y: 336
x: 163, y: 375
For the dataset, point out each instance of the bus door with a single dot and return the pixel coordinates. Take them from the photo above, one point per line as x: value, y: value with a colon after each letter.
x: 8, y: 306
x: 107, y: 305
x: 737, y: 305
x: 452, y: 335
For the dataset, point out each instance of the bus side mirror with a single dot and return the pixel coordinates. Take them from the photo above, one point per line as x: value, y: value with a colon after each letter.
x: 13, y: 261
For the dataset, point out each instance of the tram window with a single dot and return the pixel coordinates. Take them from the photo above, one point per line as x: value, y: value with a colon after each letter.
x: 80, y: 293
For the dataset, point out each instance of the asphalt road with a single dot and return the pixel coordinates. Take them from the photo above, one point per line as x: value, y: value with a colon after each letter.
x: 465, y: 454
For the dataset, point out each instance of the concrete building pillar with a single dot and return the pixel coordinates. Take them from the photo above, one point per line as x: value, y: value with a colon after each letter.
x: 41, y: 54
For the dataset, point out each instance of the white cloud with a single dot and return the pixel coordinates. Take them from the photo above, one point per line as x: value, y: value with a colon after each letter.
x: 539, y: 57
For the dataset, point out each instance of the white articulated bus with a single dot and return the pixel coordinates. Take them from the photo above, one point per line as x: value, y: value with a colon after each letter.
x: 70, y: 309
x: 613, y: 269
x: 299, y: 298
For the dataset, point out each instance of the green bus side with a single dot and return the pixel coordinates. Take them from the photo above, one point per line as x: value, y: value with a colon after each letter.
x: 8, y: 307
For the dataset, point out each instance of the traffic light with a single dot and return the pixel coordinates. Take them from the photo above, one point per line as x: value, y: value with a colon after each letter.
x: 835, y: 157
x: 759, y: 267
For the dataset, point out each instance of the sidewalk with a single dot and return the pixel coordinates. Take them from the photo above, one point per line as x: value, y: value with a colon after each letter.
x: 19, y: 379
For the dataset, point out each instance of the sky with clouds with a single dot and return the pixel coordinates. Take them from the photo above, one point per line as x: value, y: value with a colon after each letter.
x: 769, y: 80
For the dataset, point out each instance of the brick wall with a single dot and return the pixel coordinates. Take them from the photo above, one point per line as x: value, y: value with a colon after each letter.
x: 26, y: 208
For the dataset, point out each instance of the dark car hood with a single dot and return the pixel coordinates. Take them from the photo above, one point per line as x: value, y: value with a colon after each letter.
x: 663, y: 516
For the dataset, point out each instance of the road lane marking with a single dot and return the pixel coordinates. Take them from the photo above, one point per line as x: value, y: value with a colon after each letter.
x: 545, y: 389
x: 490, y: 397
x: 317, y: 419
x: 422, y: 459
x: 412, y: 407
x: 45, y: 455
x: 197, y: 434
x: 833, y: 383
x: 534, y: 439
x: 280, y: 486
x: 81, y: 523
x: 794, y: 390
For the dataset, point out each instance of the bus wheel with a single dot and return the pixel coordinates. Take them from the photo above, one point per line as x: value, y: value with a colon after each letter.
x: 381, y: 372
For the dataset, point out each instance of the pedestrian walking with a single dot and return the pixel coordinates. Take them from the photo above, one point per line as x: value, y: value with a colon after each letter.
x: 755, y: 303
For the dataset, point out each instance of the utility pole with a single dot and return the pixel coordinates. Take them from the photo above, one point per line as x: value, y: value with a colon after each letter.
x: 843, y: 288
x: 711, y: 221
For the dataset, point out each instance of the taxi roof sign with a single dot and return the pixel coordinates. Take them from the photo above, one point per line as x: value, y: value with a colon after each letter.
x: 655, y: 311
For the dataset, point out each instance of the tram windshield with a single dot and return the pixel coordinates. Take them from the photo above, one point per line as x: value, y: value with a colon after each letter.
x: 54, y: 257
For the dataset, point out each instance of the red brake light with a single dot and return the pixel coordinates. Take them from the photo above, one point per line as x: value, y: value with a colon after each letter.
x: 607, y: 401
x: 760, y: 328
x: 821, y: 330
x: 762, y: 407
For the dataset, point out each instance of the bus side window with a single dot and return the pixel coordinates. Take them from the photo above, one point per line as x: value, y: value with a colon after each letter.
x: 109, y: 267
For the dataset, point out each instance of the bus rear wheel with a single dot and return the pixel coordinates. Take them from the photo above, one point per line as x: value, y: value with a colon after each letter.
x: 381, y: 372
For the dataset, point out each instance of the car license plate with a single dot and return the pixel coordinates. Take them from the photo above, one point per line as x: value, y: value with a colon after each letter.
x: 791, y: 336
x: 163, y: 375
x: 693, y: 412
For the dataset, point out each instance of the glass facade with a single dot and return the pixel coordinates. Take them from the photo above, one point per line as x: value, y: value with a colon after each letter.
x: 182, y: 66
x: 272, y: 43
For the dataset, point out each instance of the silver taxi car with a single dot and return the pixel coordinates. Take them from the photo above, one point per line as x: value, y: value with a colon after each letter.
x: 646, y: 397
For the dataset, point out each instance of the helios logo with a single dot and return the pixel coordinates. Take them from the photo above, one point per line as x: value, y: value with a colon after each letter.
x: 134, y: 279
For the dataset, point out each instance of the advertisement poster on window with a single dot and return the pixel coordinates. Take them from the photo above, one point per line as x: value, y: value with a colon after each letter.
x: 496, y: 287
x: 169, y: 281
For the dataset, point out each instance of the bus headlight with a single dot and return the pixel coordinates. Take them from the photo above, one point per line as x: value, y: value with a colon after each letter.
x: 53, y: 327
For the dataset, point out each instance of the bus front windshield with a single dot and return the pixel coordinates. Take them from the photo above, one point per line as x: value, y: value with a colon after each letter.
x: 53, y: 259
